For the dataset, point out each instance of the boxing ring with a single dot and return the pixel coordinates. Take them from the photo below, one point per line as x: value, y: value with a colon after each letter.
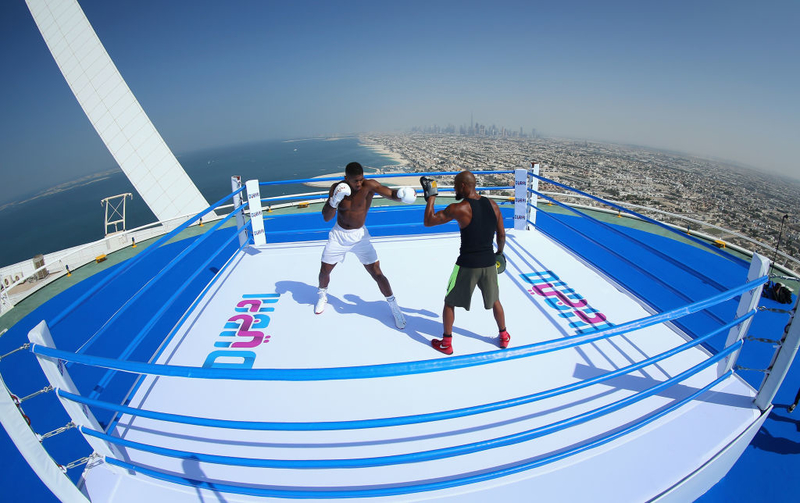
x: 198, y: 371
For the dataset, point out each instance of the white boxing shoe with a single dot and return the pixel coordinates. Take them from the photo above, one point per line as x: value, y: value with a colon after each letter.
x: 399, y: 319
x: 321, y: 303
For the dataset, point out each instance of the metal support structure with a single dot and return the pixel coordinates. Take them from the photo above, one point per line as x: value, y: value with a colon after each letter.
x: 21, y: 348
x: 79, y: 462
x: 46, y: 389
x: 58, y: 431
x: 238, y: 201
x: 781, y: 361
x: 521, y: 199
x: 117, y: 214
x: 748, y: 302
x: 256, y: 213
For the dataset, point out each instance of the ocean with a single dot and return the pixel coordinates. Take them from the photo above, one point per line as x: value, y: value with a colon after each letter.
x: 74, y: 216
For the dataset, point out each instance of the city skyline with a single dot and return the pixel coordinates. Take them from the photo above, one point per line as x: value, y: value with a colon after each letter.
x: 712, y: 79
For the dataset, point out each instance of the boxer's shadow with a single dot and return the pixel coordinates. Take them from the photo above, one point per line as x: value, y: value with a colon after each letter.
x: 302, y: 293
x: 418, y: 328
x: 466, y: 333
x: 423, y: 312
x: 353, y: 304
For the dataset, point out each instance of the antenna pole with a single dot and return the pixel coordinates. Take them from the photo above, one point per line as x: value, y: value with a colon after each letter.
x: 778, y: 244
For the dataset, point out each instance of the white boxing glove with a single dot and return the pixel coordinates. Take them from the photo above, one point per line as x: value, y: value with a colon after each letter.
x: 407, y: 194
x: 340, y: 192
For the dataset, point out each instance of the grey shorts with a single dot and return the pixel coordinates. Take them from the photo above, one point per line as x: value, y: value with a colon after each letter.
x: 463, y: 281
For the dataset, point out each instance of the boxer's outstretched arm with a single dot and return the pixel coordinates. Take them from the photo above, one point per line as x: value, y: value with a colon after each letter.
x: 440, y: 217
x: 381, y: 189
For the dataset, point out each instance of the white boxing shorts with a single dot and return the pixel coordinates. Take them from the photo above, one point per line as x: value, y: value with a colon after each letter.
x: 341, y: 241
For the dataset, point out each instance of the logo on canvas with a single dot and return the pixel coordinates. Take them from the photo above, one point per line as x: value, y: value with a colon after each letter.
x: 243, y: 332
x: 568, y: 303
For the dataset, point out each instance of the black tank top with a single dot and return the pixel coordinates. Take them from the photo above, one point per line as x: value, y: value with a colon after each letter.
x: 477, y: 237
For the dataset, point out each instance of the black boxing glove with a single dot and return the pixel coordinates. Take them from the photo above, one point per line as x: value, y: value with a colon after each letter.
x: 428, y: 187
x: 500, y: 262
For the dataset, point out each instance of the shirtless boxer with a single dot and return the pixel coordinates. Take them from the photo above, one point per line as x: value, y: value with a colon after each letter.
x: 349, y: 201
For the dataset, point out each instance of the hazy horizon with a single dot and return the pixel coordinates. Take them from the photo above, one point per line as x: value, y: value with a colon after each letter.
x: 711, y: 79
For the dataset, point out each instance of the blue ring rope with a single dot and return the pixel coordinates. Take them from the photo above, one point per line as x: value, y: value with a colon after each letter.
x: 116, y: 272
x: 145, y: 330
x: 393, y: 369
x: 647, y: 219
x: 422, y: 456
x: 395, y: 421
x: 295, y: 493
x: 152, y: 281
x: 658, y: 253
x: 138, y: 258
x: 633, y: 264
x: 247, y: 227
x: 180, y: 323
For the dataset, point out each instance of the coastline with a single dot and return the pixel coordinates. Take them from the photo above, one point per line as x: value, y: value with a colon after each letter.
x: 398, y: 163
x: 397, y: 158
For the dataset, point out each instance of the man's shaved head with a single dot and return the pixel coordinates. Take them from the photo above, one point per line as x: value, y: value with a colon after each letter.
x: 464, y: 184
x: 467, y: 178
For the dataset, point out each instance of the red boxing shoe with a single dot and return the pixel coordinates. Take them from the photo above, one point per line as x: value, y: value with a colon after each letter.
x: 443, y: 345
x: 504, y: 339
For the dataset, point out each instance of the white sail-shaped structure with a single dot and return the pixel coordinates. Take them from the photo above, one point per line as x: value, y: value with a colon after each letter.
x: 114, y: 111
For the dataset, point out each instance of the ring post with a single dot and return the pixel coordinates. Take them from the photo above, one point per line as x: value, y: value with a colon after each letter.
x: 748, y: 301
x: 534, y: 197
x: 236, y: 184
x: 256, y: 218
x: 520, y: 199
x: 31, y: 448
x: 56, y: 372
x: 781, y: 361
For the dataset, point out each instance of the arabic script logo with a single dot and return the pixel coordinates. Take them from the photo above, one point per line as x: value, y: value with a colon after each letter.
x: 243, y: 332
x: 569, y: 304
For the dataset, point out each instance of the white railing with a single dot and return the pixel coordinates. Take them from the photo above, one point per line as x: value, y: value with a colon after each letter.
x: 22, y: 279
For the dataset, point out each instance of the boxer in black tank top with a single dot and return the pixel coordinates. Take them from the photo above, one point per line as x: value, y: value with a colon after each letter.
x: 480, y: 220
x: 477, y: 237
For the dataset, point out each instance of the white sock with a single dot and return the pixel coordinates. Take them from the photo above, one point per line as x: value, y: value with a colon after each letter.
x: 390, y: 299
x: 322, y: 291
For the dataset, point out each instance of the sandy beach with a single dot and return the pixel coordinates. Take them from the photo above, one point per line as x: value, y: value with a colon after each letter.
x: 380, y: 149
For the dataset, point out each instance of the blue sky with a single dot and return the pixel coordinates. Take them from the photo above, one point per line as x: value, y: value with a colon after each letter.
x: 718, y: 79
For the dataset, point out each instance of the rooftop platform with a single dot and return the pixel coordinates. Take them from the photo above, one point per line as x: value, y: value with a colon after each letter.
x: 344, y: 405
x: 529, y: 448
